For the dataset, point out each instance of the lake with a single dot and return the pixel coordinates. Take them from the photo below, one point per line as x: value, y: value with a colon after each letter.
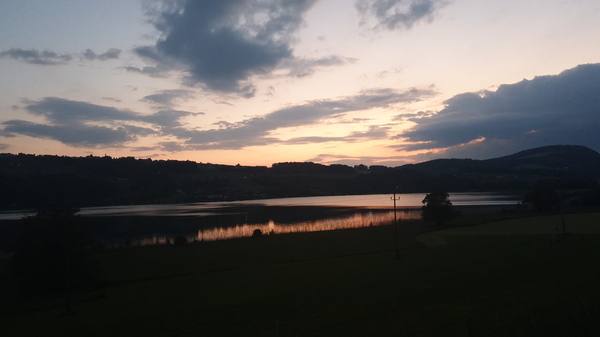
x: 116, y: 226
x: 375, y: 201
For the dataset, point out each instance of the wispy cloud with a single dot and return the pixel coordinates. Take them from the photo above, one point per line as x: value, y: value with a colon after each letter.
x: 112, y: 53
x: 305, y: 67
x: 390, y: 161
x: 168, y: 98
x: 412, y: 116
x: 34, y: 56
x: 397, y: 14
x: 373, y: 132
x: 257, y: 130
x: 51, y: 58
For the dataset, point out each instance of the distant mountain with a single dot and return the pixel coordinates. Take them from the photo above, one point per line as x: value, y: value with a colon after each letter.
x: 30, y: 181
x: 567, y: 161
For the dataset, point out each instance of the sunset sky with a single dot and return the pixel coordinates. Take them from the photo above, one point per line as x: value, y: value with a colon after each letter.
x: 255, y: 82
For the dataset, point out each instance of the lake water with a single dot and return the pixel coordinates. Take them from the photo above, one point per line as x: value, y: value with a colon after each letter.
x: 208, y: 221
x: 378, y: 201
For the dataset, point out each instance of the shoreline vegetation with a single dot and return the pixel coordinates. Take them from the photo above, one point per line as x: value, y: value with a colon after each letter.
x: 35, y: 181
x: 491, y: 274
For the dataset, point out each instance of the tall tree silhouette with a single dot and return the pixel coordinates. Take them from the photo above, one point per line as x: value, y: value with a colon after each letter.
x: 437, y: 207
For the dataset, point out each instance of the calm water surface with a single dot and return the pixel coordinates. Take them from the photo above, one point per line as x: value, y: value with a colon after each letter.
x: 209, y: 221
x: 380, y: 201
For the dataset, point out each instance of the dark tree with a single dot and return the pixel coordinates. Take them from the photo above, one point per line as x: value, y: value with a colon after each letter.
x: 437, y: 207
x: 52, y: 253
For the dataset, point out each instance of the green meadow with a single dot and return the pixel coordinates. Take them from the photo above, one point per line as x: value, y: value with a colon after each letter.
x: 486, y: 276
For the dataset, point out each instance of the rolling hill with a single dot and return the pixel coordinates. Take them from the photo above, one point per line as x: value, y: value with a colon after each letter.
x: 30, y: 181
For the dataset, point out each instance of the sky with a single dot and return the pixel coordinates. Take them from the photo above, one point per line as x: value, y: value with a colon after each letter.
x: 257, y: 82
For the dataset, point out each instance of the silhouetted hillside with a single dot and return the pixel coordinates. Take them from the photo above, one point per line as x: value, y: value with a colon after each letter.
x: 568, y: 160
x: 30, y: 181
x: 559, y: 161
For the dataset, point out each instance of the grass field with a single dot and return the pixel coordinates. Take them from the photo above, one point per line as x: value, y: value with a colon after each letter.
x: 496, y: 279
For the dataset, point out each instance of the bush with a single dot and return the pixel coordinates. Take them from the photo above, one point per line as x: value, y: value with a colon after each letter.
x: 180, y: 240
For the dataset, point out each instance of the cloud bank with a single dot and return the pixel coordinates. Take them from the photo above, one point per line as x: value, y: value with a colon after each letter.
x: 81, y: 124
x: 547, y: 110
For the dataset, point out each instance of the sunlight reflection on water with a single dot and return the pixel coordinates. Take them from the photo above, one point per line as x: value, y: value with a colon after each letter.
x: 246, y: 230
x: 209, y: 208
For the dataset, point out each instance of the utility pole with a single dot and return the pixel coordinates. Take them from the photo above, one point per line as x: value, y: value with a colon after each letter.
x: 396, y: 225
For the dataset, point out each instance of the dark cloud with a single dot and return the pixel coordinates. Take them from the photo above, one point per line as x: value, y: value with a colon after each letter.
x: 6, y: 134
x: 4, y: 146
x: 547, y: 110
x: 62, y: 111
x: 34, y: 56
x: 397, y: 14
x: 168, y: 98
x: 163, y: 64
x: 223, y: 44
x: 88, y: 125
x: 255, y: 131
x: 74, y: 134
x: 112, y: 53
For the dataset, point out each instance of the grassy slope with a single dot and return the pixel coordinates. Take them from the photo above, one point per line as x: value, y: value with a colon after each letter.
x: 342, y: 283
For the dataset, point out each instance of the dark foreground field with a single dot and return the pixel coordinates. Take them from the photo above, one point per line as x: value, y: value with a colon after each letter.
x: 470, y: 282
